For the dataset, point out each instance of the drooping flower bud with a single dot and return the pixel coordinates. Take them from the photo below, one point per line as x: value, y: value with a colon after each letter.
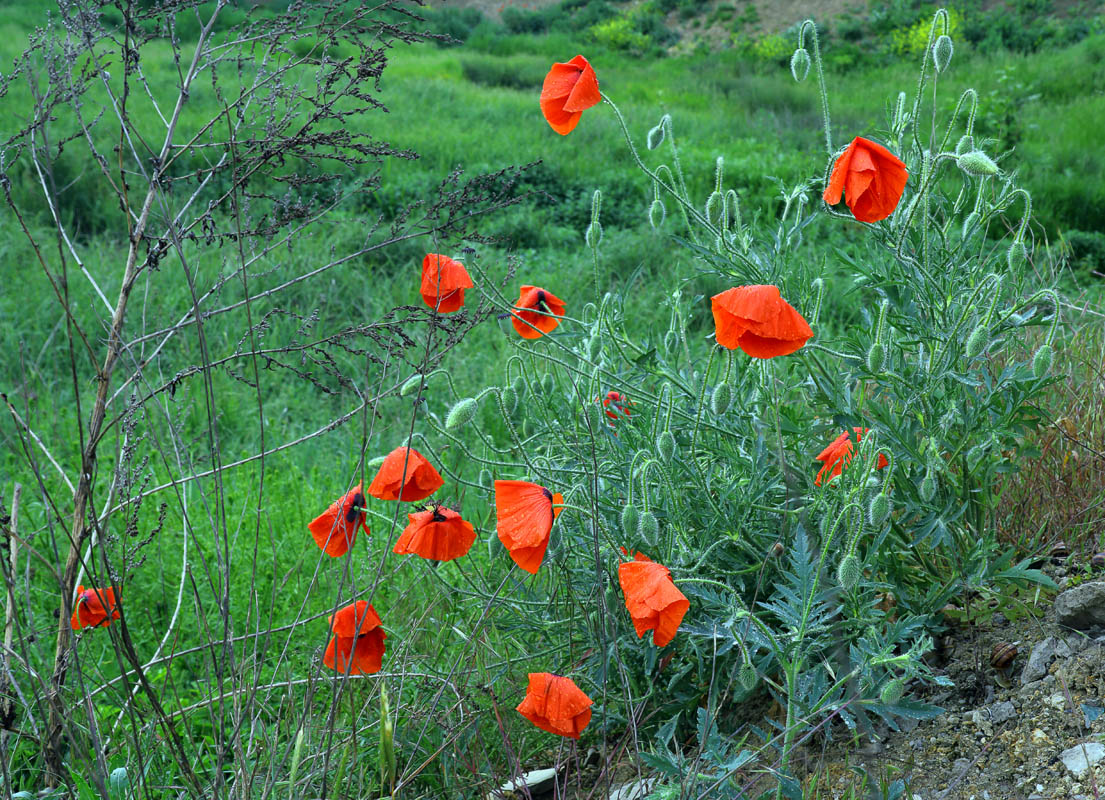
x: 630, y: 519
x: 411, y: 385
x: 548, y: 384
x: 965, y: 144
x: 593, y: 235
x: 648, y: 527
x: 657, y: 213
x: 970, y: 223
x: 656, y: 136
x: 520, y: 387
x: 977, y: 341
x: 462, y: 413
x: 509, y: 398
x: 848, y: 572
x: 800, y: 64
x: 879, y: 510
x: 671, y: 341
x: 1017, y: 254
x: 665, y: 445
x: 1041, y: 362
x: 747, y: 676
x: 721, y: 398
x: 594, y: 348
x: 485, y: 478
x: 892, y: 692
x: 977, y: 163
x: 928, y: 486
x: 876, y: 357
x: 942, y: 52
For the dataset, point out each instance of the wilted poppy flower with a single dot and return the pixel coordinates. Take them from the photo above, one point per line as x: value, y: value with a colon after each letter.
x: 568, y: 91
x: 335, y: 529
x: 536, y: 312
x: 524, y: 513
x: 95, y: 608
x: 654, y: 603
x: 758, y: 321
x: 838, y: 455
x: 358, y: 642
x: 870, y: 177
x: 443, y: 283
x: 555, y: 704
x: 418, y: 482
x: 437, y: 533
x: 616, y: 404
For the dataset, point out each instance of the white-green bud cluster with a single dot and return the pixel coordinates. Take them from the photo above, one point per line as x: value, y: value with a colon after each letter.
x: 665, y: 446
x: 977, y: 163
x: 942, y: 52
x: 462, y: 413
x: 721, y: 398
x: 800, y: 64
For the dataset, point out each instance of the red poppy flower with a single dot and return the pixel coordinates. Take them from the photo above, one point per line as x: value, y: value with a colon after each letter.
x: 568, y: 91
x: 95, y: 608
x: 839, y: 454
x: 653, y: 601
x: 870, y: 177
x: 524, y: 512
x: 418, y: 482
x: 616, y: 404
x: 555, y: 704
x: 443, y: 283
x: 358, y: 641
x: 536, y: 312
x: 758, y: 321
x: 437, y: 533
x: 335, y: 529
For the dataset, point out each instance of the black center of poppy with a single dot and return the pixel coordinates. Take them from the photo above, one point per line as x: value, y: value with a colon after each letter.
x: 541, y: 304
x: 438, y: 516
x: 355, y: 507
x: 547, y: 493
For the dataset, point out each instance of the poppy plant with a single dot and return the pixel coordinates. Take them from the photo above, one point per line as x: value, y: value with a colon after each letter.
x: 524, y: 512
x: 437, y: 533
x: 870, y: 177
x: 335, y: 529
x: 357, y: 645
x: 616, y: 404
x: 555, y: 704
x: 536, y: 312
x: 568, y: 91
x: 758, y: 321
x: 839, y: 454
x: 96, y: 608
x: 417, y: 482
x: 443, y: 283
x: 653, y: 601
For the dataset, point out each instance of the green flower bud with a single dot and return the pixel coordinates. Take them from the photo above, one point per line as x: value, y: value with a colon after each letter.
x: 485, y: 479
x: 965, y: 144
x: 665, y: 446
x: 630, y: 518
x: 876, y: 357
x: 411, y: 385
x: 928, y: 486
x: 848, y: 573
x: 528, y: 427
x: 879, y: 510
x: 977, y: 341
x: 1017, y: 254
x: 721, y: 398
x: 977, y: 163
x: 594, y: 348
x: 892, y: 691
x: 656, y: 136
x: 548, y: 384
x: 747, y: 675
x: 713, y: 205
x: 942, y: 52
x: 1041, y: 362
x: 374, y: 464
x: 648, y: 528
x: 593, y: 235
x: 520, y: 387
x: 462, y: 413
x: 671, y: 341
x: 657, y: 213
x: 970, y: 223
x: 509, y: 398
x: 800, y: 64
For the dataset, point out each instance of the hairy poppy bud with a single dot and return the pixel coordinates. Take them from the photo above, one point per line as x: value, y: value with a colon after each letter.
x: 965, y: 144
x: 656, y: 136
x: 721, y: 398
x: 594, y: 348
x: 375, y: 464
x: 892, y: 692
x: 528, y: 427
x: 648, y: 528
x: 1041, y: 362
x: 671, y: 341
x: 462, y: 413
x: 942, y: 52
x: 970, y: 223
x: 977, y: 163
x: 713, y: 205
x: 928, y: 487
x: 630, y: 518
x: 665, y: 445
x: 879, y: 510
x: 747, y: 676
x: 876, y: 357
x: 411, y: 385
x: 509, y: 399
x: 485, y: 478
x: 800, y: 64
x: 548, y: 383
x: 657, y: 213
x: 520, y: 387
x: 594, y: 234
x: 1016, y: 255
x: 977, y: 341
x: 847, y: 574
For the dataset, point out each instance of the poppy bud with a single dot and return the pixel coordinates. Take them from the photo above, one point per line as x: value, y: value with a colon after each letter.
x: 747, y: 675
x: 375, y: 464
x: 965, y: 144
x: 721, y: 398
x: 879, y: 510
x: 485, y: 478
x: 876, y: 357
x: 713, y: 205
x: 928, y: 487
x: 593, y: 235
x: 970, y: 223
x: 411, y: 385
x: 892, y: 692
x: 671, y: 341
x: 657, y: 213
x: 977, y: 163
x: 1041, y: 362
x: 119, y: 782
x: 1016, y: 255
x: 528, y: 427
x: 520, y: 387
x: 509, y: 399
x: 594, y: 348
x: 665, y: 445
x: 648, y: 528
x: 800, y: 64
x: 847, y: 574
x: 462, y: 413
x: 630, y: 517
x: 656, y: 136
x: 977, y: 341
x: 942, y: 52
x: 548, y: 384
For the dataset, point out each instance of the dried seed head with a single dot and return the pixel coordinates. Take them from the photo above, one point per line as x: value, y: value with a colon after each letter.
x: 630, y: 519
x: 665, y: 446
x: 977, y: 163
x: 462, y: 413
x: 800, y: 64
x: 721, y: 398
x: 1041, y: 362
x: 848, y: 572
x: 648, y: 528
x: 942, y: 52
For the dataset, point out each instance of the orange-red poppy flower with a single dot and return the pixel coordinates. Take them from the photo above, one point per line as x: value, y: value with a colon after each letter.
x: 870, y: 177
x: 418, y: 482
x: 616, y: 404
x: 335, y: 529
x: 96, y: 608
x: 358, y: 641
x: 536, y: 312
x: 758, y: 321
x: 437, y: 533
x: 443, y: 283
x: 653, y: 601
x: 555, y: 704
x: 839, y: 454
x: 524, y: 512
x: 568, y: 91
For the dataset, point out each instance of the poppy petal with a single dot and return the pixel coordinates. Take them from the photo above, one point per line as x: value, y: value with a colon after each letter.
x: 524, y: 515
x: 417, y: 482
